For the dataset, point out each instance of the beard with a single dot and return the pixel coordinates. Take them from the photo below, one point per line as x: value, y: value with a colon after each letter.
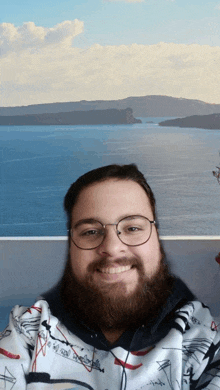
x: 108, y: 306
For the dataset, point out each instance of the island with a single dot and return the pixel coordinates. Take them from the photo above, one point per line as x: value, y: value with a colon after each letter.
x: 199, y: 121
x: 92, y: 117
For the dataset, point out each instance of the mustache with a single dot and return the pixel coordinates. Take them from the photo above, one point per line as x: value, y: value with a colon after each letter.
x: 122, y: 261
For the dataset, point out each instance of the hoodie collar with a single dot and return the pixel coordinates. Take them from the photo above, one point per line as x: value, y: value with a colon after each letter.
x: 131, y: 340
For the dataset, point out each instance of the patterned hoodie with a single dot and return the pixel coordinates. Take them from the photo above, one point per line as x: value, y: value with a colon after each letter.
x: 44, y: 349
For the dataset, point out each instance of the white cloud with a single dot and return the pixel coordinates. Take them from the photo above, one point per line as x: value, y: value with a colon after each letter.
x: 217, y: 7
x: 30, y: 36
x: 46, y: 67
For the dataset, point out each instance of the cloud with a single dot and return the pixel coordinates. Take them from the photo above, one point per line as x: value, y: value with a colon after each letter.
x: 46, y: 67
x: 217, y: 7
x: 29, y: 35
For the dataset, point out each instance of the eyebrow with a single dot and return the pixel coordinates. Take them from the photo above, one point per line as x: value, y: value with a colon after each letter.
x: 82, y: 221
x: 92, y: 220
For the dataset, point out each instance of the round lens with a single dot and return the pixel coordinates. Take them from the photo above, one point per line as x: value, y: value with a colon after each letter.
x: 134, y: 230
x: 87, y: 235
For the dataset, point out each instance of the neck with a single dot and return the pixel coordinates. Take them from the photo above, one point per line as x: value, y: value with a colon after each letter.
x: 112, y: 335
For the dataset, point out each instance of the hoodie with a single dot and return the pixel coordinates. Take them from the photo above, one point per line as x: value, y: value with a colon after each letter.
x: 43, y: 348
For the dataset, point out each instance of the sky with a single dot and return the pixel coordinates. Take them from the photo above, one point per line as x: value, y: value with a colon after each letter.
x: 74, y: 50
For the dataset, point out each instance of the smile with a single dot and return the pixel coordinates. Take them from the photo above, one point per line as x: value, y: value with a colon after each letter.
x: 115, y: 270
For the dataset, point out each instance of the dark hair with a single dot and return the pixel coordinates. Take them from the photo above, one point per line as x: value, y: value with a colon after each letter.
x: 121, y: 172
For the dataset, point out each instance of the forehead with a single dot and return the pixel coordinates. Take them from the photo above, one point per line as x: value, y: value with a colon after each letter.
x: 111, y: 200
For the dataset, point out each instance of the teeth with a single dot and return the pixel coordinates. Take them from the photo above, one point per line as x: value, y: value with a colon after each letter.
x: 114, y: 270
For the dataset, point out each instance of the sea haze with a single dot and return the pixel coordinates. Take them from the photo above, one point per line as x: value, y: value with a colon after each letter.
x: 38, y: 164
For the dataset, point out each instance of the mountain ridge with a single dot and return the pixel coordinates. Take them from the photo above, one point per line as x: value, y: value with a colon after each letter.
x: 142, y: 106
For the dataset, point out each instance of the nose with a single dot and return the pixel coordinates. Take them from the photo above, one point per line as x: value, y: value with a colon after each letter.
x: 111, y: 245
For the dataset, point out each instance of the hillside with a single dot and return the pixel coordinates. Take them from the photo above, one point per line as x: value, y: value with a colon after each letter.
x: 92, y: 117
x: 143, y: 106
x: 198, y: 121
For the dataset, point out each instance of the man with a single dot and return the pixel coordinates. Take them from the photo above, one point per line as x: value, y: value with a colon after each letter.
x: 118, y: 319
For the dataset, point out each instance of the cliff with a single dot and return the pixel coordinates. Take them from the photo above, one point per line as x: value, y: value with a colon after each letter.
x: 198, y: 121
x: 93, y: 117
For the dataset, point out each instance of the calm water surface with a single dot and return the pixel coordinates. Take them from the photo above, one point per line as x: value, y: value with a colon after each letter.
x: 38, y: 164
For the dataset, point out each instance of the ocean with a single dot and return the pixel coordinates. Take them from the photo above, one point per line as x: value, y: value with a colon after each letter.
x: 38, y: 164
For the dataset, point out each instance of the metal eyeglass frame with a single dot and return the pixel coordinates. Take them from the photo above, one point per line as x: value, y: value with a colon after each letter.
x: 117, y: 232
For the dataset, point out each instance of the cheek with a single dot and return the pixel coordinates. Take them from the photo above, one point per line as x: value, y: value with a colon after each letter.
x: 79, y: 261
x: 76, y: 261
x: 150, y: 256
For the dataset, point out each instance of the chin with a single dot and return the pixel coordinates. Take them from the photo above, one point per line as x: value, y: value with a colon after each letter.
x: 118, y: 302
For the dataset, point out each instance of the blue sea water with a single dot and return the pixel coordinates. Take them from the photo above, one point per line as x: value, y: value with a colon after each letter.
x: 38, y: 164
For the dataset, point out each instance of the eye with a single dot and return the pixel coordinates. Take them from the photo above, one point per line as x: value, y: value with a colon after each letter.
x: 91, y: 232
x: 133, y: 229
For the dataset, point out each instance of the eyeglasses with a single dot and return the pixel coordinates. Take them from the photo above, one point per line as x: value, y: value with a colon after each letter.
x: 133, y: 230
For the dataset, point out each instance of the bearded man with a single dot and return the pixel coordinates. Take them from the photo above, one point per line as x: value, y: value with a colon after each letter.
x: 118, y: 319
